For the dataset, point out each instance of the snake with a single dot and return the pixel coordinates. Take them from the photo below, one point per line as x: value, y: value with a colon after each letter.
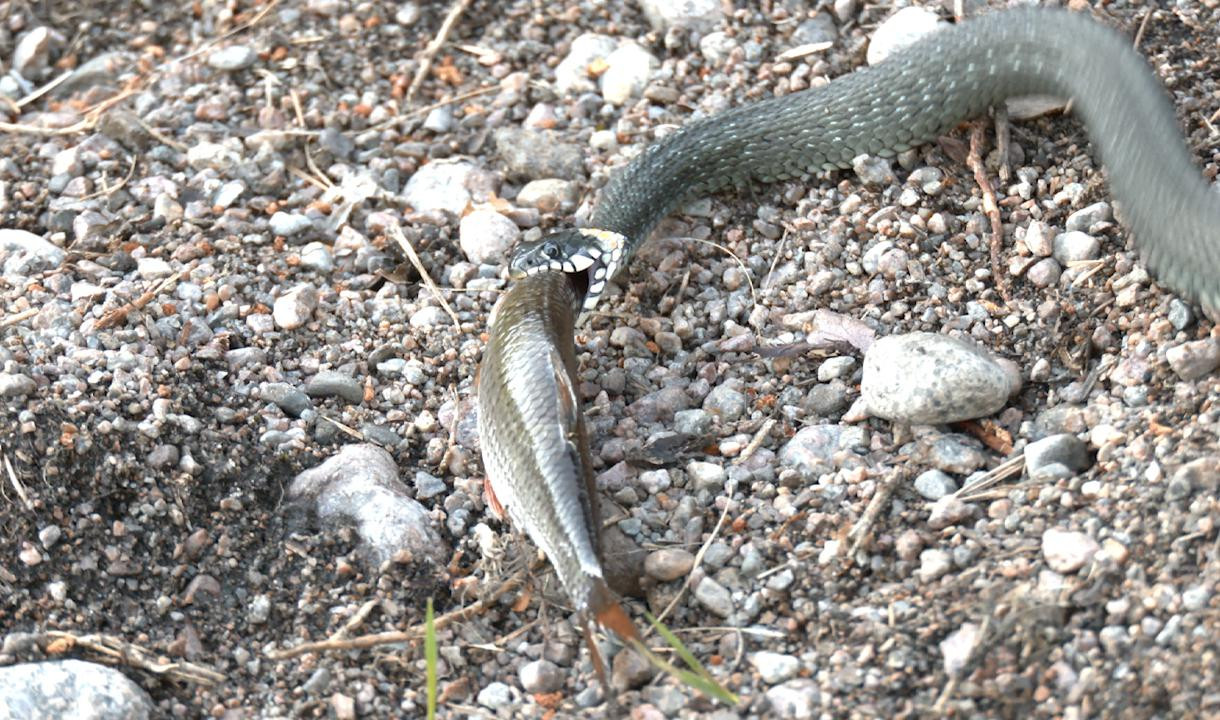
x: 532, y: 436
x: 915, y: 95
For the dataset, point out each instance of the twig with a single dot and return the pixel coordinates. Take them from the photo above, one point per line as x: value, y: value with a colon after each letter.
x: 215, y: 41
x: 425, y: 60
x: 974, y: 161
x: 119, y: 315
x: 107, y: 191
x: 1139, y: 34
x: 972, y: 491
x: 863, y: 529
x: 363, y: 642
x: 23, y: 315
x: 396, y: 233
x: 745, y: 269
x: 120, y: 652
x: 35, y: 94
x: 16, y: 483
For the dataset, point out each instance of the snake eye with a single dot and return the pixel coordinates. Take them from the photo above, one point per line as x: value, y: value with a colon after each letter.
x: 550, y: 250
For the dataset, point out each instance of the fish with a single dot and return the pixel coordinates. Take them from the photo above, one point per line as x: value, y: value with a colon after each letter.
x: 535, y: 447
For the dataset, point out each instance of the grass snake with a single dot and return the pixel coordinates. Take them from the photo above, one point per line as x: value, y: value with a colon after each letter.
x: 913, y: 96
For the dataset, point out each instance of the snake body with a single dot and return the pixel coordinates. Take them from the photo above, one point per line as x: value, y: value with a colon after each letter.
x: 913, y: 96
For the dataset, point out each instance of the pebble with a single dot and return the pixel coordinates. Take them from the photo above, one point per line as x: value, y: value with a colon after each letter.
x: 572, y: 73
x: 1180, y: 315
x: 331, y: 383
x: 1087, y: 217
x: 24, y: 253
x: 495, y: 696
x: 234, y: 57
x: 535, y: 154
x: 1039, y: 239
x: 151, y: 268
x: 15, y: 385
x: 71, y: 689
x: 796, y: 699
x: 1064, y: 449
x: 934, y: 484
x: 295, y: 307
x: 627, y: 72
x: 1194, y: 360
x: 259, y: 610
x: 549, y: 195
x: 286, y: 397
x: 360, y: 483
x: 813, y: 449
x: 1075, y: 246
x: 698, y: 15
x: 836, y: 368
x: 927, y: 379
x: 714, y: 596
x: 428, y: 485
x: 872, y: 170
x: 440, y: 185
x: 774, y: 667
x: 706, y: 475
x: 900, y: 30
x: 32, y: 52
x: 949, y: 510
x: 541, y: 676
x: 287, y: 224
x: 486, y: 236
x: 206, y: 155
x: 49, y: 536
x: 630, y: 671
x: 726, y: 403
x: 716, y: 47
x: 1044, y: 273
x: 668, y: 564
x: 318, y: 257
x: 1066, y: 551
x: 440, y: 120
x: 958, y: 647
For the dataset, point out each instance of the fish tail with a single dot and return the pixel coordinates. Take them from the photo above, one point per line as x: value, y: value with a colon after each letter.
x: 608, y: 612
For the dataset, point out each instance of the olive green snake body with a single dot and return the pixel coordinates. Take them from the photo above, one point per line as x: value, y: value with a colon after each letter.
x: 916, y: 94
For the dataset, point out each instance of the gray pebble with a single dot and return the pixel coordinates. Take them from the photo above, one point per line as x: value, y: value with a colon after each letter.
x: 317, y: 256
x: 541, y: 676
x: 716, y: 46
x: 332, y: 383
x: 295, y: 307
x: 15, y: 385
x: 151, y: 268
x: 873, y: 170
x: 1044, y: 273
x: 549, y: 195
x: 24, y: 253
x: 285, y: 396
x: 440, y: 120
x: 1086, y: 218
x: 1194, y: 360
x: 289, y: 224
x: 726, y: 402
x: 774, y: 667
x: 934, y: 484
x: 627, y: 71
x: 827, y: 399
x: 495, y: 696
x: 933, y: 564
x: 71, y: 689
x: 1064, y: 449
x: 360, y: 483
x: 693, y: 422
x: 486, y: 236
x: 440, y: 185
x: 834, y: 368
x: 706, y: 475
x: 948, y: 510
x: 429, y: 316
x: 1075, y: 246
x: 690, y: 14
x: 234, y: 57
x: 534, y: 154
x: 926, y: 378
x: 49, y: 535
x: 427, y: 485
x: 572, y: 73
x: 813, y: 449
x: 259, y: 610
x: 1066, y: 551
x: 796, y: 699
x: 714, y: 596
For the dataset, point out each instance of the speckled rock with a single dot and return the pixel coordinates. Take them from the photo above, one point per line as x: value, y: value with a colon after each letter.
x: 926, y: 378
x: 1194, y: 360
x: 693, y: 14
x: 668, y: 564
x: 486, y: 236
x: 813, y: 449
x: 71, y: 689
x: 1067, y: 551
x: 440, y: 185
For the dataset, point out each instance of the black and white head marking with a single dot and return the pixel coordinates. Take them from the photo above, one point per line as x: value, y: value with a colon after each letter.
x: 589, y: 250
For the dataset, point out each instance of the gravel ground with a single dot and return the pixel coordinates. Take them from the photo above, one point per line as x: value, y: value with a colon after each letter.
x: 203, y: 295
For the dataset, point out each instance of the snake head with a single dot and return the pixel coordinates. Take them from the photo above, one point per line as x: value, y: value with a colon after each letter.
x: 595, y: 255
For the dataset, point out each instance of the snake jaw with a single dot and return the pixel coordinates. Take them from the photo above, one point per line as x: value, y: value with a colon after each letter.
x: 596, y: 253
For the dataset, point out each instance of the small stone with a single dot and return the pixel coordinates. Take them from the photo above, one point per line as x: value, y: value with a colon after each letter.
x: 1087, y: 217
x: 22, y: 252
x: 15, y: 385
x: 628, y: 69
x: 234, y: 57
x: 958, y: 647
x: 796, y: 699
x: 317, y: 256
x: 1064, y: 448
x: 1039, y: 239
x: 259, y: 611
x: 1044, y: 273
x: 706, y: 475
x: 1075, y: 246
x: 949, y: 510
x: 668, y: 564
x: 49, y: 535
x: 814, y: 449
x: 287, y: 397
x: 295, y: 307
x: 29, y: 555
x: 774, y: 667
x: 1067, y: 551
x: 630, y: 671
x: 572, y: 73
x: 288, y: 224
x: 549, y: 195
x: 934, y: 484
x: 151, y: 268
x: 926, y: 378
x: 900, y: 30
x: 439, y: 120
x: 331, y: 383
x: 32, y: 52
x: 440, y: 185
x: 933, y: 564
x: 908, y: 545
x: 726, y: 402
x: 495, y: 696
x: 486, y: 236
x: 836, y: 368
x: 1194, y: 360
x: 71, y: 688
x: 541, y: 676
x: 873, y: 170
x: 714, y: 596
x: 698, y: 15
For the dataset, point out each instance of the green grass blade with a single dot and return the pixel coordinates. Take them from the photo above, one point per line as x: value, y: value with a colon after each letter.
x: 700, y: 678
x: 430, y: 659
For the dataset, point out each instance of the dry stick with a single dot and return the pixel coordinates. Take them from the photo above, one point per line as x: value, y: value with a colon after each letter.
x: 425, y: 61
x: 120, y: 652
x: 14, y: 319
x: 862, y: 530
x: 415, y: 633
x: 16, y: 483
x: 1139, y: 34
x: 974, y: 161
x: 396, y: 232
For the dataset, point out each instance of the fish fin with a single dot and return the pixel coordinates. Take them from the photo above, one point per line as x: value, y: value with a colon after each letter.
x: 492, y: 501
x: 569, y: 406
x: 609, y: 613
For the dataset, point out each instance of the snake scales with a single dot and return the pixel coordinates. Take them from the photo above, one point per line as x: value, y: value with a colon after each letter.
x: 915, y: 95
